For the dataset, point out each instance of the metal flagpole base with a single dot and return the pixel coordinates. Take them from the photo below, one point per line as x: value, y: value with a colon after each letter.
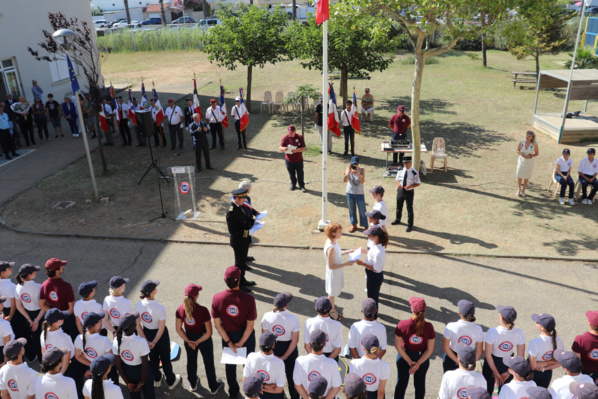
x: 322, y: 224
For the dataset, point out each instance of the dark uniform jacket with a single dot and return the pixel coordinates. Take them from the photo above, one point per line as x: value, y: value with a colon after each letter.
x: 239, y: 221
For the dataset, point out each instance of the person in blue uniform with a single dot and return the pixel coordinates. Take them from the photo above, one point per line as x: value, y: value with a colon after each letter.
x: 239, y: 222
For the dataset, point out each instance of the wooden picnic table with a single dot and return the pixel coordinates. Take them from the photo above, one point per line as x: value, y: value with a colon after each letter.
x: 526, y: 77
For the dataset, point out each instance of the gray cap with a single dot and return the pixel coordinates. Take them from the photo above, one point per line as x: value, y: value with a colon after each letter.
x: 518, y: 364
x: 267, y: 339
x: 318, y: 337
x: 545, y: 320
x: 101, y: 364
x: 253, y: 384
x: 148, y: 286
x: 27, y: 269
x: 375, y: 230
x: 584, y: 391
x: 369, y: 307
x: 538, y: 393
x: 370, y: 341
x: 128, y: 320
x: 323, y: 305
x: 54, y: 354
x: 118, y: 281
x: 54, y: 315
x: 282, y: 299
x: 466, y: 354
x: 466, y: 307
x: 476, y: 392
x: 317, y: 386
x: 375, y: 214
x: 354, y: 385
x: 507, y: 312
x: 569, y: 360
x: 13, y: 348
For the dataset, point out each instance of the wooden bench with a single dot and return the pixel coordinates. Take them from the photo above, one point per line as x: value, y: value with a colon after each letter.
x: 526, y: 77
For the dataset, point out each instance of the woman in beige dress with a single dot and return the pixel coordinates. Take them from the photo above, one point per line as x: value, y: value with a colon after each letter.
x: 527, y: 150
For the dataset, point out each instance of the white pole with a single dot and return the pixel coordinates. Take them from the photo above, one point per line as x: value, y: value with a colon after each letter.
x: 84, y: 132
x: 324, y: 222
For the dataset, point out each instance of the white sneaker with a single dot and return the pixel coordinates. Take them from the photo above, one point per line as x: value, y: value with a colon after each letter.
x: 175, y: 383
x: 571, y: 201
x: 562, y: 201
x: 584, y: 201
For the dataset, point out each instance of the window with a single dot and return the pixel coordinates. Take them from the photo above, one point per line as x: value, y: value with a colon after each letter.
x: 59, y: 70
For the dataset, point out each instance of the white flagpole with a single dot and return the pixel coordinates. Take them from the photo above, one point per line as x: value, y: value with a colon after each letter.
x: 324, y: 222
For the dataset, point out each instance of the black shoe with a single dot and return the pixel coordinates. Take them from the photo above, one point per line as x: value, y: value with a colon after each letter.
x: 409, y: 228
x: 218, y: 388
x: 209, y: 168
x: 330, y: 152
x: 172, y: 148
x: 123, y: 144
x: 14, y: 154
x: 250, y: 259
x: 129, y: 144
x: 244, y: 289
x: 395, y: 222
x: 293, y: 188
x: 346, y: 153
x: 248, y: 268
x: 239, y: 147
x: 212, y: 147
x: 138, y: 145
x: 197, y: 169
x: 303, y: 190
x: 247, y: 283
x: 8, y: 157
x: 93, y: 136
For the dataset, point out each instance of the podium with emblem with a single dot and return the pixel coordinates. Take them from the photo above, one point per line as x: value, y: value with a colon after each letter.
x: 184, y: 191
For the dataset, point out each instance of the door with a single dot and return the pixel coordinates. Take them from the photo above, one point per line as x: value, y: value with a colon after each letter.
x: 10, y: 78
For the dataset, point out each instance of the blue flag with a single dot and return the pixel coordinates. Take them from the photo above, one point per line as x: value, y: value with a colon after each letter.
x: 74, y: 83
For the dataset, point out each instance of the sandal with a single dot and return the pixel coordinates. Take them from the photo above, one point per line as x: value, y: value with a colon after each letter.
x: 334, y: 315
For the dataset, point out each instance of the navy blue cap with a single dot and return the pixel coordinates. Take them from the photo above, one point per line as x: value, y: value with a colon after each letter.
x: 466, y: 307
x: 317, y: 386
x: 91, y: 319
x: 118, y: 281
x: 354, y: 385
x: 370, y: 341
x: 466, y: 353
x: 101, y: 364
x: 317, y: 337
x: 240, y: 192
x: 128, y: 320
x: 54, y: 315
x: 5, y: 265
x: 566, y: 151
x: 518, y: 364
x: 377, y: 190
x: 538, y: 393
x: 267, y: 339
x: 323, y: 305
x: 507, y: 312
x: 86, y: 288
x: 354, y: 160
x: 545, y: 320
x: 375, y: 230
x: 28, y: 268
x: 591, y: 151
x: 54, y: 354
x: 148, y: 286
x: 253, y: 385
x: 476, y: 392
x: 282, y: 299
x: 13, y: 348
x: 3, y: 299
x: 375, y: 214
x: 584, y: 391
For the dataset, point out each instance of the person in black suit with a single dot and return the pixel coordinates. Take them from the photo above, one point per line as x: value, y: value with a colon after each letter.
x: 239, y: 222
x: 199, y: 131
x: 188, y: 114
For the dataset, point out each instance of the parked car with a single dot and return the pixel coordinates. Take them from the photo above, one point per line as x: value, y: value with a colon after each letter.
x: 117, y: 21
x: 183, y: 20
x: 100, y: 23
x: 124, y: 23
x: 152, y: 21
x: 207, y: 23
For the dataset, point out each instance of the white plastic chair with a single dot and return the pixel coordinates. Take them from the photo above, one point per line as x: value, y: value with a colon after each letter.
x: 267, y: 101
x: 438, y: 151
x: 278, y: 102
x: 553, y: 181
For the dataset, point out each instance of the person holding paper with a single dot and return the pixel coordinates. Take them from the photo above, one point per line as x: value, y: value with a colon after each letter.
x: 294, y: 143
x: 239, y: 220
x: 246, y: 184
x: 234, y: 314
x: 374, y: 261
x: 270, y: 367
x: 335, y: 278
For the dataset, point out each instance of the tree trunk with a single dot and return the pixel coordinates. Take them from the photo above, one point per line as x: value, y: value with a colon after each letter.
x: 302, y: 118
x: 163, y: 13
x: 127, y: 11
x: 344, y: 83
x: 294, y: 9
x: 249, y: 76
x: 537, y: 57
x: 415, y: 97
x: 206, y: 9
x: 100, y: 147
x: 483, y: 23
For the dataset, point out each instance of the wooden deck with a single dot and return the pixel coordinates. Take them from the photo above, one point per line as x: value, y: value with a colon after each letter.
x: 577, y: 129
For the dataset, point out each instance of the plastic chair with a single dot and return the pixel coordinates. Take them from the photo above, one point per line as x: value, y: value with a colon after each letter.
x: 553, y: 181
x: 438, y: 151
x: 278, y: 102
x: 267, y: 101
x: 293, y: 104
x: 315, y: 103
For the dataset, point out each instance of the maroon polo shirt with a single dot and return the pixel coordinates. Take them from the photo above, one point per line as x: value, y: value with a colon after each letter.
x: 234, y: 308
x: 411, y: 341
x: 400, y: 123
x: 587, y: 346
x: 298, y: 142
x: 57, y: 293
x: 197, y: 323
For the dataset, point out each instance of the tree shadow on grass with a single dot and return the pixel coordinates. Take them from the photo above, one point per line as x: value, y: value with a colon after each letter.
x: 458, y: 239
x: 571, y: 247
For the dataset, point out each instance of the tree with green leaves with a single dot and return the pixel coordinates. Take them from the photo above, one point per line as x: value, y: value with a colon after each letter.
x: 249, y: 36
x: 353, y: 49
x: 421, y: 19
x: 299, y: 96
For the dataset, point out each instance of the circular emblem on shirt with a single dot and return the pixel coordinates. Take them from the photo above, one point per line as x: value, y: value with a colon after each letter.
x: 278, y: 330
x: 414, y: 339
x: 146, y: 317
x: 83, y: 315
x: 402, y: 120
x: 369, y: 379
x: 190, y: 322
x: 313, y: 374
x: 53, y: 296
x: 49, y: 346
x: 232, y: 310
x: 127, y: 355
x: 13, y: 386
x: 462, y: 393
x: 547, y: 356
x: 465, y: 340
x: 184, y: 187
x: 50, y: 395
x: 505, y: 346
x: 264, y: 374
x: 593, y: 354
x: 114, y: 313
x: 91, y: 353
x: 26, y: 298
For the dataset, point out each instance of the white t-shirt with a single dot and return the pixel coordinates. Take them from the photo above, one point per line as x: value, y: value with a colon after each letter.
x: 588, y: 168
x: 9, y: 290
x: 18, y: 380
x: 58, y: 339
x: 174, y: 115
x: 283, y: 324
x: 559, y: 389
x: 95, y: 345
x: 455, y: 382
x: 83, y: 307
x: 28, y: 294
x: 504, y: 341
x: 308, y: 366
x: 376, y: 257
x: 371, y: 371
x: 116, y: 307
x: 363, y: 327
x: 332, y: 328
x: 381, y: 206
x: 59, y: 386
x: 269, y: 366
x: 516, y: 390
x: 463, y: 332
x: 564, y: 165
x: 151, y: 313
x: 111, y: 391
x: 541, y: 348
x: 132, y: 349
x: 5, y: 331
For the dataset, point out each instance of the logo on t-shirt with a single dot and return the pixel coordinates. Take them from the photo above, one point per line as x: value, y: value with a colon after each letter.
x: 127, y: 355
x: 505, y: 346
x: 278, y: 330
x: 232, y: 310
x: 146, y: 317
x: 593, y: 354
x: 83, y: 316
x: 462, y: 393
x: 13, y: 386
x: 415, y: 340
x: 369, y: 379
x: 312, y: 374
x: 114, y: 313
x: 465, y: 340
x: 189, y: 321
x: 264, y: 374
x: 53, y: 296
x: 51, y: 395
x: 547, y: 356
x: 91, y: 353
x: 26, y: 298
x: 49, y: 346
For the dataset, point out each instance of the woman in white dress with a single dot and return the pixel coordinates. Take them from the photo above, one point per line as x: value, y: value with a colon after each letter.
x: 335, y: 279
x: 527, y: 150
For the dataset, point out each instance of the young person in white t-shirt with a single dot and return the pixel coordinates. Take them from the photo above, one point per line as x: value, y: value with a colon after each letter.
x: 27, y: 301
x: 373, y: 371
x: 368, y: 325
x: 6, y: 333
x: 54, y: 381
x: 86, y: 304
x: 540, y: 349
x: 374, y: 219
x: 151, y: 325
x: 563, y: 176
x: 456, y: 382
x: 379, y: 204
x: 116, y: 305
x: 464, y: 331
x: 523, y: 378
x: 501, y: 342
x: 375, y: 260
x: 332, y: 328
x: 17, y: 380
x: 99, y: 386
x: 90, y: 344
x: 7, y: 289
x: 559, y: 389
x: 269, y: 366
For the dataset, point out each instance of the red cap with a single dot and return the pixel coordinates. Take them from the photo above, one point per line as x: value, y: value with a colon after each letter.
x: 232, y: 273
x: 592, y: 316
x: 55, y: 264
x: 192, y: 290
x: 401, y: 108
x: 212, y: 100
x: 417, y: 304
x: 170, y: 100
x: 291, y: 128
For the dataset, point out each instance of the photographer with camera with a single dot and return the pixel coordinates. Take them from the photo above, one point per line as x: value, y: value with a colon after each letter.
x: 355, y: 178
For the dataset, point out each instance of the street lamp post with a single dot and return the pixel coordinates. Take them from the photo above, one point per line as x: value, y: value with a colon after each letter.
x: 64, y: 38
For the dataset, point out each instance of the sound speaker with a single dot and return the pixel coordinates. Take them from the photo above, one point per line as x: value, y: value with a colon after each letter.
x: 145, y: 122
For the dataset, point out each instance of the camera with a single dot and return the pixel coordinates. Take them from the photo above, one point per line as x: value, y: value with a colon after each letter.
x: 353, y: 167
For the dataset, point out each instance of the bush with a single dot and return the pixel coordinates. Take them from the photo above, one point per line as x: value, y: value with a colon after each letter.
x: 411, y: 61
x: 152, y: 40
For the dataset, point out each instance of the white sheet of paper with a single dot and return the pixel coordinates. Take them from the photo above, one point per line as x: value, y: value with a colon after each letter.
x: 290, y: 148
x: 355, y: 254
x: 261, y: 215
x: 230, y: 357
x: 256, y: 226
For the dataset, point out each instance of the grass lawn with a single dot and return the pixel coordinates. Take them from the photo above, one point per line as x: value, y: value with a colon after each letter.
x: 470, y: 209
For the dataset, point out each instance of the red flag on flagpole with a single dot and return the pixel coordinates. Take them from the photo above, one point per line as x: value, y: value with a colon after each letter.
x: 224, y: 120
x: 160, y: 111
x: 355, y: 115
x: 322, y: 11
x: 115, y: 105
x: 131, y: 112
x: 103, y: 121
x: 196, y: 106
x: 333, y: 124
x: 244, y: 119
